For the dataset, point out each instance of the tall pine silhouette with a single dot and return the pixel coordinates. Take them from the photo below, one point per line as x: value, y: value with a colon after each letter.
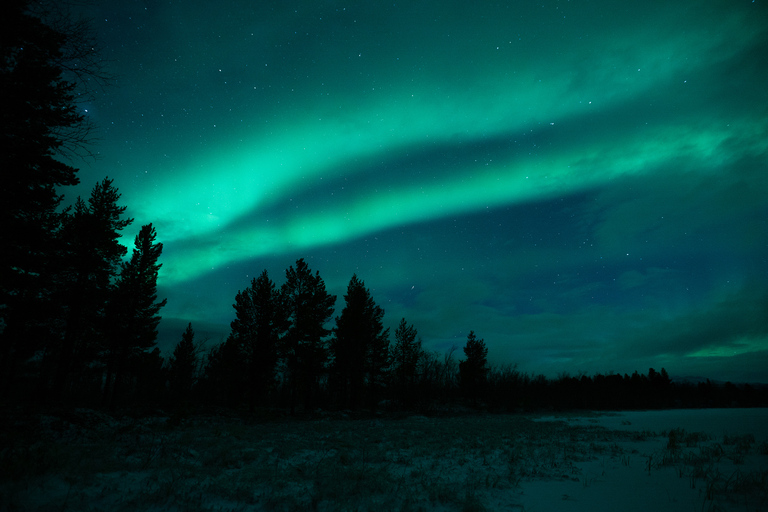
x: 90, y: 260
x: 359, y: 347
x: 308, y: 306
x: 256, y: 329
x: 406, y: 354
x: 182, y: 367
x: 133, y: 312
x: 473, y: 371
x: 38, y: 112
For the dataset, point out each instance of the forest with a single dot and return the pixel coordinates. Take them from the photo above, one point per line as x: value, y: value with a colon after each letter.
x: 79, y: 311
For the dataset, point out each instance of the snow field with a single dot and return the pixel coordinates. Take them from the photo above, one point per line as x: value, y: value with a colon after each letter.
x: 87, y: 461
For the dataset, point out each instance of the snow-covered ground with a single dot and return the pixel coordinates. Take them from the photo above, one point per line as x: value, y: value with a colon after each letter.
x: 717, y: 422
x: 657, y: 460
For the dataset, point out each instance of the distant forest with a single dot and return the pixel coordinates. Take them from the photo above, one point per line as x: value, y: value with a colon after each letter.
x: 78, y: 320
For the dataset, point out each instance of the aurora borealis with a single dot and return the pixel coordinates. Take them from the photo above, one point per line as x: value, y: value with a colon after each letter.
x: 582, y: 183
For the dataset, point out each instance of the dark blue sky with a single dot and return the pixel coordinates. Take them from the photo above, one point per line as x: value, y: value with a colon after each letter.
x: 583, y: 184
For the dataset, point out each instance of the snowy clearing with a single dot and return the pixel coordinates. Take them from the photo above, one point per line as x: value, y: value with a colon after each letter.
x: 84, y: 460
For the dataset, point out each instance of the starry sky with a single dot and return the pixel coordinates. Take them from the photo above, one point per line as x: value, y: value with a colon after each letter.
x: 583, y: 183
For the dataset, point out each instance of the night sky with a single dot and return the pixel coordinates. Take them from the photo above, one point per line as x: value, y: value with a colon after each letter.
x: 582, y: 183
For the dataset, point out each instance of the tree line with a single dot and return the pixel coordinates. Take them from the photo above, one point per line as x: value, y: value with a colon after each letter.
x: 76, y: 319
x: 282, y: 353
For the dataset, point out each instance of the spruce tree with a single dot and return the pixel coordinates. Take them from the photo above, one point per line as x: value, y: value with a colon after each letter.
x: 182, y: 367
x: 473, y: 371
x: 133, y: 311
x: 406, y: 354
x: 378, y: 362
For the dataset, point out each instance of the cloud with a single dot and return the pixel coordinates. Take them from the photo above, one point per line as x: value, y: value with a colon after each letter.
x: 729, y: 323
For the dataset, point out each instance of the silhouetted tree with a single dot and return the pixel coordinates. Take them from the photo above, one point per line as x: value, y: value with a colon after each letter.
x: 406, y: 355
x: 89, y: 263
x: 182, y: 366
x: 473, y: 370
x: 359, y: 346
x: 38, y: 108
x: 133, y: 310
x: 308, y: 306
x: 256, y: 328
x: 378, y: 361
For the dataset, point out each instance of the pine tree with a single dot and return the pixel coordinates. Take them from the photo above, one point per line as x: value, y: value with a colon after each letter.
x: 308, y: 306
x: 90, y: 260
x: 133, y: 310
x: 360, y: 345
x: 256, y: 328
x: 406, y: 354
x: 473, y: 371
x: 182, y: 367
x: 38, y: 109
x: 378, y: 362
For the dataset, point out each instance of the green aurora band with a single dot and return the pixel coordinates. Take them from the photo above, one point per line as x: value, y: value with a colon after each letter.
x: 479, y: 186
x: 480, y: 84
